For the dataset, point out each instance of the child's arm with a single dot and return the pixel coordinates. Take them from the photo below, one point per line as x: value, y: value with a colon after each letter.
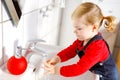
x: 95, y: 53
x: 68, y: 52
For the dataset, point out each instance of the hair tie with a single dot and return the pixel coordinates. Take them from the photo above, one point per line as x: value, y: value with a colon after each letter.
x: 104, y: 17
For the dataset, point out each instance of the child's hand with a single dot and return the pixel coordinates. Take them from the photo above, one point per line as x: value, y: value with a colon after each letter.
x: 51, y: 69
x: 53, y: 61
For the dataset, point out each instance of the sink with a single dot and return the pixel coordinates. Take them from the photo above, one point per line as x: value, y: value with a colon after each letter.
x: 47, y: 51
x: 34, y: 71
x: 35, y: 59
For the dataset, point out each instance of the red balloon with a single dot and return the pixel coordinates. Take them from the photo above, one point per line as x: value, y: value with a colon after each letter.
x: 17, y: 66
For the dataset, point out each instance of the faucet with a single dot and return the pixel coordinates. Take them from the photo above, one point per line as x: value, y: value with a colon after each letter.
x: 34, y: 59
x: 31, y: 53
x: 31, y: 47
x: 32, y: 43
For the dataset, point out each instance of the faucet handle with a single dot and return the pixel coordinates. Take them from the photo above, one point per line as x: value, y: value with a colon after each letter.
x: 36, y: 41
x: 32, y: 43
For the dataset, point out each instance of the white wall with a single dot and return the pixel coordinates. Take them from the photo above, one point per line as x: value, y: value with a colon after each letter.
x: 29, y: 26
x: 7, y: 35
x: 66, y: 29
x: 38, y: 26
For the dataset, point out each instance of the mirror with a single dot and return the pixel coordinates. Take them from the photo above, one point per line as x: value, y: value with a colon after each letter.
x: 13, y: 9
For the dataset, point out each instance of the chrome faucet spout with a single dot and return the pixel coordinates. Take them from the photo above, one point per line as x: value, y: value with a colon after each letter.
x: 41, y: 52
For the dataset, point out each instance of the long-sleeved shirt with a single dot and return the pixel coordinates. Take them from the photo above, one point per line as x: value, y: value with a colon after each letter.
x: 96, y: 52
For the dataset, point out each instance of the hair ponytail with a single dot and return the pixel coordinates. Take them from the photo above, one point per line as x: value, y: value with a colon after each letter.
x: 110, y: 22
x: 94, y: 15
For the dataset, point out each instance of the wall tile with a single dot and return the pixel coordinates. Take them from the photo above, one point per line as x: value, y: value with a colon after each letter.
x: 5, y: 15
x: 9, y: 37
x: 30, y: 5
x: 0, y: 11
x: 31, y: 23
x: 0, y: 44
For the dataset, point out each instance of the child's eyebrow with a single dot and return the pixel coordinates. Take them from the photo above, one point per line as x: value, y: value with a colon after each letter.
x: 77, y: 26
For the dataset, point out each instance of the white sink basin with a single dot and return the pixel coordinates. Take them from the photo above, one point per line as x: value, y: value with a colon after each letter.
x: 33, y: 57
x: 34, y: 70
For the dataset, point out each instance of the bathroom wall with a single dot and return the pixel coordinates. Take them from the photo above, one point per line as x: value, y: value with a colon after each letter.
x: 0, y: 41
x: 7, y: 35
x: 33, y: 24
x: 40, y: 21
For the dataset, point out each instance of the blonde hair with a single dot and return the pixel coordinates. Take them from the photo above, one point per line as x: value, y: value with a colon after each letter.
x: 94, y: 15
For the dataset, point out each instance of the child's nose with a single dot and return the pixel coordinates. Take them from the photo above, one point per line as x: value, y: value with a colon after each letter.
x: 75, y: 31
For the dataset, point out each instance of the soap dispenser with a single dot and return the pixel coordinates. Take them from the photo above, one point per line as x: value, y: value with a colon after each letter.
x: 17, y: 64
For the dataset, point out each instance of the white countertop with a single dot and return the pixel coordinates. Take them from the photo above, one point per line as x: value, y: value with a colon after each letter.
x: 27, y: 75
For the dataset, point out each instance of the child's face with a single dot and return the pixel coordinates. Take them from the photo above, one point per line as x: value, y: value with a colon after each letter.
x: 82, y: 30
